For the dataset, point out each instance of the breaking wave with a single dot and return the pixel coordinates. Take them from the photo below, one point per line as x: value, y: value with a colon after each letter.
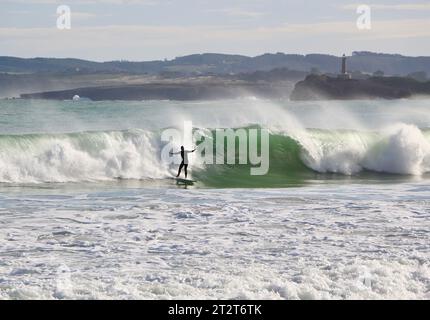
x: 135, y: 154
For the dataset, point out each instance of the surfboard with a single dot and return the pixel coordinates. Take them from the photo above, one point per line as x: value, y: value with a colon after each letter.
x: 184, y: 181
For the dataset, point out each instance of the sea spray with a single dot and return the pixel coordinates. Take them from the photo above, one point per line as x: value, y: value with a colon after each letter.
x: 403, y: 149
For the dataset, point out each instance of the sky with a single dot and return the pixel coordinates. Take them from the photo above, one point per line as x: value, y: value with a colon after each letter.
x: 138, y: 30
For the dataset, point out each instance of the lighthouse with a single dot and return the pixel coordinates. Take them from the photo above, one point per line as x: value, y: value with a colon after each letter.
x: 343, y: 64
x: 343, y: 74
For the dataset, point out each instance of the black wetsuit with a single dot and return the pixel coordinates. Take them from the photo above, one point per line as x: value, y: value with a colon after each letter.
x: 184, y: 164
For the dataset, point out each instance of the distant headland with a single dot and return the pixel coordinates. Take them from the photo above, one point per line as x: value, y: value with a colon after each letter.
x: 344, y: 87
x: 322, y: 87
x: 219, y: 76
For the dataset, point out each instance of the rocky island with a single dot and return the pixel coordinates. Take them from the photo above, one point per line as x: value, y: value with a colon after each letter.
x: 322, y: 87
x: 344, y: 87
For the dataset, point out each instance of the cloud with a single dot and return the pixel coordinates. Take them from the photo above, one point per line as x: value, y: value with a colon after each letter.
x: 60, y: 2
x: 237, y: 12
x: 80, y: 15
x: 408, y: 6
x: 138, y: 42
x: 77, y: 15
x: 19, y: 12
x: 387, y: 28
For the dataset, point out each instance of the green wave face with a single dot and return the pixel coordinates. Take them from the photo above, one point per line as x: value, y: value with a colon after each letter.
x: 286, y: 167
x: 331, y: 156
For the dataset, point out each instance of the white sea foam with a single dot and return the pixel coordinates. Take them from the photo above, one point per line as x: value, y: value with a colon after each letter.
x: 358, y: 242
x: 87, y: 156
x: 404, y: 150
x: 401, y: 149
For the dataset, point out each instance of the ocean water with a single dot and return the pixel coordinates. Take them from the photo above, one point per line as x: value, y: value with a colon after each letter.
x: 89, y: 211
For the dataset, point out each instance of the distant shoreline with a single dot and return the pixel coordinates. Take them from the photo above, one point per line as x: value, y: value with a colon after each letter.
x: 312, y: 88
x: 212, y: 76
x: 171, y: 91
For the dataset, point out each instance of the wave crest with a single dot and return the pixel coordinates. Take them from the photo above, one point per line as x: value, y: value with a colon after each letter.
x: 135, y: 154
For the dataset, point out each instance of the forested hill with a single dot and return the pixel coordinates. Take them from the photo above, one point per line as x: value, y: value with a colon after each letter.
x: 212, y: 63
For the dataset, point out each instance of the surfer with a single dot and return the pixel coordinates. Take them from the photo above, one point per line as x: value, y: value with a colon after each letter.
x: 184, y: 164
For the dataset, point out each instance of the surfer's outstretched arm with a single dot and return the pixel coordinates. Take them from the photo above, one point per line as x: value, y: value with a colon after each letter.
x: 171, y: 152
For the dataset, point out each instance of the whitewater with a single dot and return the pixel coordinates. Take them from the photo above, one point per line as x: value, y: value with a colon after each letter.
x: 88, y: 209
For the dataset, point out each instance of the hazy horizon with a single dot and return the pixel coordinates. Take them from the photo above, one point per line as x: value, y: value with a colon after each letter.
x: 144, y: 30
x: 202, y: 53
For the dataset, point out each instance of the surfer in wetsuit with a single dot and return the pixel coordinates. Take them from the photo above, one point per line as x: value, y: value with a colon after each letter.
x: 184, y: 164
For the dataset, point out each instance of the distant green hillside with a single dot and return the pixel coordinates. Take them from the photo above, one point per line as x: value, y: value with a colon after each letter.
x: 208, y: 63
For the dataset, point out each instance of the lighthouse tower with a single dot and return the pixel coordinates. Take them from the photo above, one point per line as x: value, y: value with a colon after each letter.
x: 343, y: 74
x: 343, y: 64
